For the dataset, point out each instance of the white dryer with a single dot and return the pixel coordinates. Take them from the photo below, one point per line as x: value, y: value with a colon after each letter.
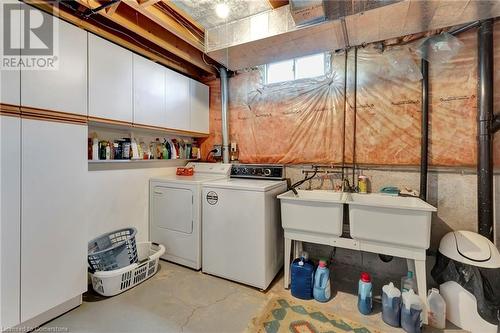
x: 175, y: 212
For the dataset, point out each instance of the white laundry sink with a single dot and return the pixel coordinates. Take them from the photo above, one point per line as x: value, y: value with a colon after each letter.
x: 389, y: 219
x: 315, y: 211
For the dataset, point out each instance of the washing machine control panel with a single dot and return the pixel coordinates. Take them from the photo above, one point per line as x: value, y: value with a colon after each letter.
x: 257, y: 171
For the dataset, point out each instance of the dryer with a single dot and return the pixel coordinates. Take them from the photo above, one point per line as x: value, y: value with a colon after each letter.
x: 175, y: 212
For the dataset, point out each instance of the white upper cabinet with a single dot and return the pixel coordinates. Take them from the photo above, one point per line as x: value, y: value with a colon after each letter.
x: 10, y: 84
x: 110, y: 80
x: 177, y: 95
x: 149, y: 93
x: 64, y: 88
x: 199, y: 107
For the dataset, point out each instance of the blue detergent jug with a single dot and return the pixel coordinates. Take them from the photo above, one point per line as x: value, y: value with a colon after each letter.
x: 302, y: 276
x: 321, y: 291
x: 365, y: 294
x: 391, y: 305
x: 411, y: 312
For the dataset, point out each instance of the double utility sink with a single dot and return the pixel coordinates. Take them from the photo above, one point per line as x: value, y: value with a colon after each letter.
x: 380, y: 218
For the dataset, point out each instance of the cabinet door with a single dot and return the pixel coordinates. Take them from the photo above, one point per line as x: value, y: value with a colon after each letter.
x: 110, y: 80
x: 199, y: 107
x: 177, y: 86
x: 149, y: 93
x: 10, y: 219
x: 53, y: 222
x: 10, y: 78
x: 63, y: 89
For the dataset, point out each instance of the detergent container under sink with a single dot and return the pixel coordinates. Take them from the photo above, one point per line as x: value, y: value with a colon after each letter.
x: 468, y: 272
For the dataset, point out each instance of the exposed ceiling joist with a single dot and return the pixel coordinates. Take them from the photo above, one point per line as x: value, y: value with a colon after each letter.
x: 147, y: 3
x: 189, y: 70
x: 161, y: 18
x: 111, y: 10
x: 183, y: 13
x: 277, y: 3
x: 126, y: 17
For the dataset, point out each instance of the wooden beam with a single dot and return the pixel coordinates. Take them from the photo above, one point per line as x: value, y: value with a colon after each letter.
x: 277, y: 3
x: 111, y: 10
x: 83, y: 24
x: 182, y: 13
x: 147, y: 3
x: 126, y: 17
x: 164, y: 20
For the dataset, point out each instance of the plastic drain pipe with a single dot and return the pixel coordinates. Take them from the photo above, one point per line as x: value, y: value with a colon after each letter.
x: 225, y: 116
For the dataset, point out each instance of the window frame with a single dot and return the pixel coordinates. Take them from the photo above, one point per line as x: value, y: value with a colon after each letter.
x: 294, y: 68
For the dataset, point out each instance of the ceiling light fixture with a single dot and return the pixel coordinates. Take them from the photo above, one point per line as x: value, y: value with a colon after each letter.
x: 222, y: 10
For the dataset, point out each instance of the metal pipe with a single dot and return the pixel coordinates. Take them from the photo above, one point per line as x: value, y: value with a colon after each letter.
x: 424, y: 128
x: 225, y: 116
x: 346, y: 54
x: 89, y: 12
x: 355, y: 116
x: 465, y: 28
x: 485, y: 137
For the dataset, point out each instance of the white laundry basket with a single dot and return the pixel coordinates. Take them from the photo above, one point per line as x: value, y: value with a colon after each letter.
x: 110, y: 283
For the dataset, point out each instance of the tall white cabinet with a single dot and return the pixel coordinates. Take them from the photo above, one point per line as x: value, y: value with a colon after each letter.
x: 10, y: 80
x: 110, y: 80
x: 65, y: 88
x: 10, y: 219
x: 53, y: 215
x: 199, y: 114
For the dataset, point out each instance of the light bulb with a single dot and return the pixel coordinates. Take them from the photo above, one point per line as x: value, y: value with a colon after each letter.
x: 222, y: 10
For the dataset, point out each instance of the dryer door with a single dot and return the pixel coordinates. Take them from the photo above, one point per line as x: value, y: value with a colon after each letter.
x: 173, y: 209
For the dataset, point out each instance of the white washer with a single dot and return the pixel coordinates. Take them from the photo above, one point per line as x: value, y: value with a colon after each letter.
x: 242, y: 235
x: 175, y: 212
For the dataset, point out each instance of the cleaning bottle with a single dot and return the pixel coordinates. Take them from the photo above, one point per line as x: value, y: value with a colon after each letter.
x: 408, y: 282
x: 321, y: 291
x: 391, y: 305
x: 365, y: 294
x: 411, y: 311
x: 302, y: 277
x: 437, y: 309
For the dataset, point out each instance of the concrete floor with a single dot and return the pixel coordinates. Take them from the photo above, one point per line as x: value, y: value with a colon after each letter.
x: 178, y: 299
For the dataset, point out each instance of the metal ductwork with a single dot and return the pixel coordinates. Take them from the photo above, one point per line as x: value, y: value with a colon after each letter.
x: 307, y: 11
x: 284, y: 33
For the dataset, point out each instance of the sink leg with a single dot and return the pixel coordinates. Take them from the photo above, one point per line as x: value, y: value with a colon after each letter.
x: 288, y: 252
x: 297, y: 249
x: 418, y: 269
x: 422, y: 286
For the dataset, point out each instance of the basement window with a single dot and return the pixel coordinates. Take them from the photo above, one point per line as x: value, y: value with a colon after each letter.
x: 294, y: 69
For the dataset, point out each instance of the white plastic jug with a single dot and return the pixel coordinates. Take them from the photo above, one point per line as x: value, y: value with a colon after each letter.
x: 411, y: 312
x: 436, y: 309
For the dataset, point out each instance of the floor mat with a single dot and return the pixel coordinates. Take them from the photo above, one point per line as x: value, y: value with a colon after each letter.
x: 287, y: 315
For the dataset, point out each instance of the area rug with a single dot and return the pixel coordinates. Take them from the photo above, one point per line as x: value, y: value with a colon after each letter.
x: 286, y: 315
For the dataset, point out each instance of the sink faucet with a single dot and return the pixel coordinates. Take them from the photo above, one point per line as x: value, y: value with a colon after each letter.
x: 346, y: 186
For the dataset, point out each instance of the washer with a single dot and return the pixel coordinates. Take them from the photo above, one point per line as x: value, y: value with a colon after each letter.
x: 242, y: 234
x: 175, y: 212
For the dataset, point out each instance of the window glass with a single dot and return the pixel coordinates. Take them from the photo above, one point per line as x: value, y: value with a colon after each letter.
x: 280, y: 71
x: 310, y: 66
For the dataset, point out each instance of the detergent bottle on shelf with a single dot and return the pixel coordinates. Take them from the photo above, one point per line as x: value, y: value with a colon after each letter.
x: 437, y: 309
x: 411, y: 312
x: 391, y: 305
x: 302, y: 277
x: 365, y: 294
x: 321, y: 291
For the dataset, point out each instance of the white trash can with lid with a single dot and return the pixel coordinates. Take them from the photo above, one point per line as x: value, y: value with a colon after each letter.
x: 468, y: 272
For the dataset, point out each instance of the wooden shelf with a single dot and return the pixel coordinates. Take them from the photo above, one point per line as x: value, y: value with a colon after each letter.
x: 104, y: 165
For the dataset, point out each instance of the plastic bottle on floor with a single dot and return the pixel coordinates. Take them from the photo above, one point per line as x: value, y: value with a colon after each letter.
x: 408, y: 282
x: 365, y: 294
x: 321, y: 291
x: 437, y: 309
x: 302, y: 277
x: 391, y: 305
x: 411, y: 311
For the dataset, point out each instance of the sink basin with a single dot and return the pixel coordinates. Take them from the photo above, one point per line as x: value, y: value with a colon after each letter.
x: 390, y: 219
x: 316, y: 211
